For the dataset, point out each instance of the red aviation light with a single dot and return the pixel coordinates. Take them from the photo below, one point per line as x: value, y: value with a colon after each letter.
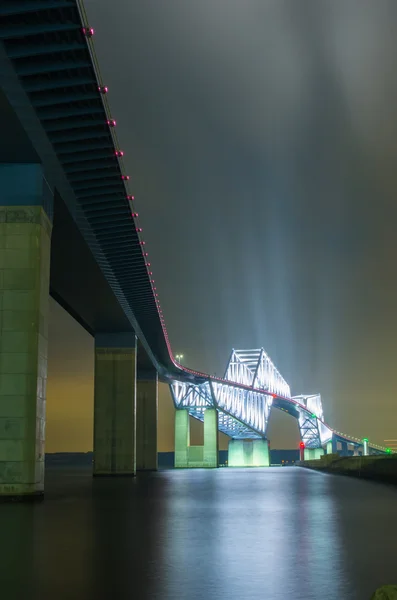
x: 88, y: 31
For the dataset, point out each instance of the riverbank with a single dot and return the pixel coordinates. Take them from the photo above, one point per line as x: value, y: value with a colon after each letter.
x: 377, y: 468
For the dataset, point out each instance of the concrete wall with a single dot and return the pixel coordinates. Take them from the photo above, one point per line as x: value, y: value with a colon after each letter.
x: 250, y: 453
x: 381, y: 468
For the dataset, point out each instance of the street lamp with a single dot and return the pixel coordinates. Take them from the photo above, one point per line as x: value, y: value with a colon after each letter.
x: 179, y: 358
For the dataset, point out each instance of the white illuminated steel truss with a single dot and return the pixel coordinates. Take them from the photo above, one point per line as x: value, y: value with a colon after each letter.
x: 312, y: 403
x: 244, y: 399
x: 314, y: 432
x: 242, y: 413
x: 255, y: 368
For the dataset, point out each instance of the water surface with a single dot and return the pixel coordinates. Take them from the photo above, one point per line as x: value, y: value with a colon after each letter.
x: 248, y: 534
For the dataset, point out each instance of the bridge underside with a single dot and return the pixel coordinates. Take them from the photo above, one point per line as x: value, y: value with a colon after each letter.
x: 76, y: 280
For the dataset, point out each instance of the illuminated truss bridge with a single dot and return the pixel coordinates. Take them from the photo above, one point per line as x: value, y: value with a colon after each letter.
x: 252, y: 386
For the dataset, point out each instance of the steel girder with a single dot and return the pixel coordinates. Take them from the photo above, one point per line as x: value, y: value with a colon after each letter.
x: 255, y: 368
x: 244, y: 399
x: 243, y: 413
x: 308, y: 425
x: 312, y: 403
x: 314, y: 432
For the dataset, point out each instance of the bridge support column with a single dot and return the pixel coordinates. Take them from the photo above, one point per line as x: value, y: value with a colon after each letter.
x: 211, y: 446
x: 248, y: 453
x: 365, y: 447
x: 115, y: 404
x: 25, y: 247
x: 187, y: 456
x: 345, y: 450
x: 146, y: 422
x: 313, y: 453
x: 182, y: 438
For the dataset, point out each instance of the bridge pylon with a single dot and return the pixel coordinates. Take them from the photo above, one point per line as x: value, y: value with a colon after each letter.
x: 248, y: 453
x: 25, y: 248
x: 188, y: 456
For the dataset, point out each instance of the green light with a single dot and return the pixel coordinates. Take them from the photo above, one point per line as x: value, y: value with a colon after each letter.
x: 388, y: 450
x: 314, y: 416
x: 365, y: 440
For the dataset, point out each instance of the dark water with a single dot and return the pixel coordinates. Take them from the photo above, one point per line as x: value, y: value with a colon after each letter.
x: 201, y: 534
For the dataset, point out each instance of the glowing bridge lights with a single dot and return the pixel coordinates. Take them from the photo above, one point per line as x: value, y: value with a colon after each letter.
x: 142, y: 243
x: 125, y: 177
x: 111, y: 122
x: 102, y: 89
x: 135, y: 215
x: 130, y: 198
x: 139, y: 229
x: 146, y: 254
x: 88, y: 31
x: 245, y: 396
x: 119, y: 154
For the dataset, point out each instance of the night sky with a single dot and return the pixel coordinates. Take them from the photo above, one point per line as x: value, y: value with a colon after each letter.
x: 260, y: 137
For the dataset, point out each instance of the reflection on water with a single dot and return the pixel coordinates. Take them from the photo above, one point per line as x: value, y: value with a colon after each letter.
x: 229, y: 533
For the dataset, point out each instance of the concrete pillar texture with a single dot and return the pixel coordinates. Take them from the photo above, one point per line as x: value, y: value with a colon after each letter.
x: 146, y: 427
x: 187, y: 456
x: 115, y: 404
x: 248, y: 453
x: 25, y: 246
x: 313, y: 453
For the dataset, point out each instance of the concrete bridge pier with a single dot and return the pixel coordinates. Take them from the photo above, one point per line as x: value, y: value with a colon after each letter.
x: 345, y: 449
x: 332, y: 446
x: 115, y: 404
x: 26, y: 203
x: 248, y: 453
x: 187, y: 456
x: 313, y: 453
x: 146, y: 421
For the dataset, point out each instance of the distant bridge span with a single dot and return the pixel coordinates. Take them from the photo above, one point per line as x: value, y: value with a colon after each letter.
x: 246, y: 395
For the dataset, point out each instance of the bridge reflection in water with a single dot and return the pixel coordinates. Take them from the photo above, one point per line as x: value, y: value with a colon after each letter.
x: 198, y: 534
